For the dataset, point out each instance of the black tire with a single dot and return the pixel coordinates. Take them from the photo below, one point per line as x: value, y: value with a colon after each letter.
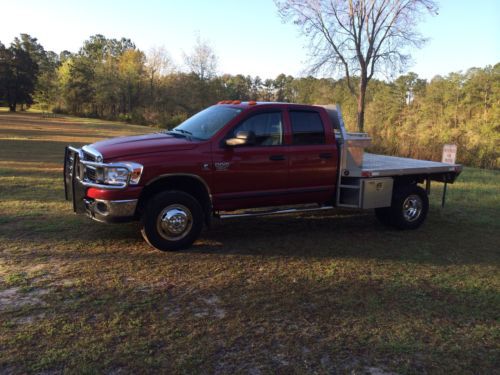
x: 383, y: 215
x: 172, y: 221
x: 409, y: 208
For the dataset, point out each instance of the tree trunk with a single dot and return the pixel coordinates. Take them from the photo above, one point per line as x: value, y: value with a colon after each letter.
x: 151, y: 86
x: 361, y: 105
x: 129, y: 99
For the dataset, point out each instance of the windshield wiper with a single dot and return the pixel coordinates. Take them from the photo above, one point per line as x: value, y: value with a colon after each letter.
x: 182, y: 131
x: 171, y: 132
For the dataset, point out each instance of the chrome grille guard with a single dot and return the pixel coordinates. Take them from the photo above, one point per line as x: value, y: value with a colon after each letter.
x: 75, y: 168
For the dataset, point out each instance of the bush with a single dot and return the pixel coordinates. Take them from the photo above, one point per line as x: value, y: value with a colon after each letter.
x: 169, y: 122
x: 125, y: 117
x: 59, y: 110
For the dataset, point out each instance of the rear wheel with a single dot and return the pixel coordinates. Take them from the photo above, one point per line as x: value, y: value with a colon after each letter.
x: 172, y: 221
x: 409, y: 208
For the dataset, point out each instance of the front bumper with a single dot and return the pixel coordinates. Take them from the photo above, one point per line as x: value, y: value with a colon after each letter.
x: 111, y: 211
x: 103, y: 210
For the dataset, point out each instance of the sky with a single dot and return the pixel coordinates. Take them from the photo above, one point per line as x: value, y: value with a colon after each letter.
x: 248, y: 37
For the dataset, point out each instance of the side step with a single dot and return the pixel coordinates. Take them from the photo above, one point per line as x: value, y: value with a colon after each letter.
x: 272, y: 212
x: 349, y: 192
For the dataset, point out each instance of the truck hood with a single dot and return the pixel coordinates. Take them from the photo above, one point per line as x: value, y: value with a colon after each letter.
x: 141, y: 144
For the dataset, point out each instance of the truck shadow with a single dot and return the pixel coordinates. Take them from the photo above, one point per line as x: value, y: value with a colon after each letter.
x: 354, y: 235
x: 323, y: 235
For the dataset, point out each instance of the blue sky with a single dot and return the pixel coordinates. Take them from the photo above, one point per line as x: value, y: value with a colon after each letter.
x: 247, y: 36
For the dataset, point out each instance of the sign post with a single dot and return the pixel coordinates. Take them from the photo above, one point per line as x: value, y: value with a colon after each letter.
x: 449, y: 154
x: 449, y: 157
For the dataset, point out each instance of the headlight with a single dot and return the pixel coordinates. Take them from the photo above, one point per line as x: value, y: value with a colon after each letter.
x: 120, y: 175
x: 115, y: 175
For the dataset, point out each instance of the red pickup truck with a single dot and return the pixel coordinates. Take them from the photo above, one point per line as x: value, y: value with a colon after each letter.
x: 266, y: 158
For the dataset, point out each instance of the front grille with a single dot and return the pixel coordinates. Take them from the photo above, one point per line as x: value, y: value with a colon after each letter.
x: 90, y: 172
x: 91, y: 175
x: 89, y: 157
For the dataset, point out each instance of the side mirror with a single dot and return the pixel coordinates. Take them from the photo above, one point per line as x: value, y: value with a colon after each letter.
x: 242, y: 138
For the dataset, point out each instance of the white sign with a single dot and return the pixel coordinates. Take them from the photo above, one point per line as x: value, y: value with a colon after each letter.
x: 449, y: 154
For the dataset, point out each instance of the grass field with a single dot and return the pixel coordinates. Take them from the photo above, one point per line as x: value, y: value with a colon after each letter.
x: 322, y: 293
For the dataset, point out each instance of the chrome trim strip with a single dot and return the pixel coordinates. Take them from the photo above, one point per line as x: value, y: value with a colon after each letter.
x: 101, y: 186
x: 275, y: 212
x: 107, y: 165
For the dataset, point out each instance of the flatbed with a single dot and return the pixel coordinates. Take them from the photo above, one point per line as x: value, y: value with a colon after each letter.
x: 374, y: 165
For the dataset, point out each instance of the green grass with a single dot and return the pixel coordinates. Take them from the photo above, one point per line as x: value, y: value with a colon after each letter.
x: 334, y: 292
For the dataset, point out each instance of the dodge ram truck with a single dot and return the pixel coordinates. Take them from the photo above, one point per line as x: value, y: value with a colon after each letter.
x: 238, y: 159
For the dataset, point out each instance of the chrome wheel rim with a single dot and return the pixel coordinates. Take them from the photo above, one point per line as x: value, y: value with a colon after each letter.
x: 412, y: 207
x: 174, y: 222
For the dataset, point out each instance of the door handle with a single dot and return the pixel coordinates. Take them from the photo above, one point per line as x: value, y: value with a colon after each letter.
x: 277, y: 157
x: 326, y: 155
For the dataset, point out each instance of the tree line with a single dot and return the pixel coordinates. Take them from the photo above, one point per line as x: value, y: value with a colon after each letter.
x: 113, y: 79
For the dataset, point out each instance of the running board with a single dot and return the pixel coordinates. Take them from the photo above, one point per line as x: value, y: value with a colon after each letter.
x: 273, y: 212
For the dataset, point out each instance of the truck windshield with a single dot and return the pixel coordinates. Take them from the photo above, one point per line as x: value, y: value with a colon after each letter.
x: 206, y: 123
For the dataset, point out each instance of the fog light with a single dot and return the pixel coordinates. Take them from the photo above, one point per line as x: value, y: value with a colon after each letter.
x: 101, y: 208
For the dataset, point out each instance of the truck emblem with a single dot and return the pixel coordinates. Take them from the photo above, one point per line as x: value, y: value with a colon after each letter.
x: 205, y: 166
x: 222, y: 165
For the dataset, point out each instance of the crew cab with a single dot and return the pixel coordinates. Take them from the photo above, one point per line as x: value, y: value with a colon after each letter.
x: 238, y: 159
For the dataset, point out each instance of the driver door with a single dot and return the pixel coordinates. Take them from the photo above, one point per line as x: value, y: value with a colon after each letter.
x: 254, y: 174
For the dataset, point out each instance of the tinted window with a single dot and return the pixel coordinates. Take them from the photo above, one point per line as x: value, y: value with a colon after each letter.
x: 206, y: 123
x: 267, y: 127
x: 307, y: 128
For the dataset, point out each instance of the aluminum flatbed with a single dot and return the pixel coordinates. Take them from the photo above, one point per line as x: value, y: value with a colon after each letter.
x: 374, y: 165
x: 367, y: 180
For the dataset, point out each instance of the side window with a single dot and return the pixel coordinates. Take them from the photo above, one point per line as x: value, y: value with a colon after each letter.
x: 307, y: 128
x: 267, y: 128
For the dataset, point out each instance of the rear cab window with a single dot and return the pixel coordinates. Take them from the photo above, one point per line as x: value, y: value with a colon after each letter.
x: 307, y: 128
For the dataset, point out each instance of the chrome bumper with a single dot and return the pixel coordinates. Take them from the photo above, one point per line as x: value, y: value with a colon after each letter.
x: 111, y: 211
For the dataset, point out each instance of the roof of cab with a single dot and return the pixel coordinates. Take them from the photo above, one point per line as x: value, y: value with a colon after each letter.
x: 252, y: 103
x: 331, y: 109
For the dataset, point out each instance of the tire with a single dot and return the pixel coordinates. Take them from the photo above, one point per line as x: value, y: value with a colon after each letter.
x: 172, y: 221
x: 409, y: 208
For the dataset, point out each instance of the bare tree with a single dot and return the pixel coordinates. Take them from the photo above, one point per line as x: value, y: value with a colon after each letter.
x: 358, y: 37
x: 158, y: 63
x: 202, y: 61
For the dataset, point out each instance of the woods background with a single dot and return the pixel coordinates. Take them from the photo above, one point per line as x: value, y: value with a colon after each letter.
x: 113, y: 79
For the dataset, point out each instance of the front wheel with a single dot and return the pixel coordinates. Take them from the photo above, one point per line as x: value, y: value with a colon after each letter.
x: 409, y: 208
x: 172, y: 221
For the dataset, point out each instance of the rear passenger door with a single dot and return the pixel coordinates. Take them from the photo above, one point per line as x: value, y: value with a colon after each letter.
x: 312, y: 157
